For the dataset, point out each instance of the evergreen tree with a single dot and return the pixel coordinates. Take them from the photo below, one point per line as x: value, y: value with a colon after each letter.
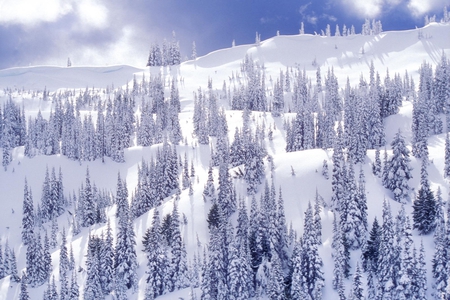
x: 298, y: 287
x: 421, y: 279
x: 156, y: 258
x: 88, y: 203
x: 337, y: 178
x: 424, y: 214
x: 125, y: 261
x: 447, y: 156
x: 439, y: 261
x: 24, y: 289
x: 386, y: 253
x: 209, y: 192
x: 311, y: 263
x: 357, y: 291
x: 35, y: 263
x: 107, y: 262
x: 240, y: 277
x: 398, y: 170
x: 63, y: 266
x: 74, y: 293
x: 92, y: 288
x: 27, y: 216
x: 178, y: 265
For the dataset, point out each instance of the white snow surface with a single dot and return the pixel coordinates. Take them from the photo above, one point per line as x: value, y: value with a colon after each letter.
x: 396, y: 51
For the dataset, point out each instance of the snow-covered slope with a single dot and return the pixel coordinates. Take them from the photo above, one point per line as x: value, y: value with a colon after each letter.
x: 349, y: 57
x: 53, y: 77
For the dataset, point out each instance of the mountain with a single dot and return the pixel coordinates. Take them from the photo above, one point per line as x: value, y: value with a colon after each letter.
x: 36, y: 92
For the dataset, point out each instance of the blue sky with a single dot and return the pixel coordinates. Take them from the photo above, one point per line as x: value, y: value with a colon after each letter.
x: 102, y: 32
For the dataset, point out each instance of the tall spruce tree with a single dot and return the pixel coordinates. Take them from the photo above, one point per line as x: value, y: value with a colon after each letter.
x: 398, y: 169
x: 27, y: 216
x: 424, y: 213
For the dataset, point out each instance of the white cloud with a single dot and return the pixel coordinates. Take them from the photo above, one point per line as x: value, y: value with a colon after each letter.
x: 421, y: 7
x: 127, y: 49
x: 373, y: 8
x: 92, y: 14
x: 31, y: 12
x: 311, y: 19
x: 366, y: 8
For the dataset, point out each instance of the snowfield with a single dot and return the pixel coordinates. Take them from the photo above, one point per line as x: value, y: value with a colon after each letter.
x: 350, y: 57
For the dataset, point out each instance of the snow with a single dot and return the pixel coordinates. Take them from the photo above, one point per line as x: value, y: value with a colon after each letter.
x: 398, y: 51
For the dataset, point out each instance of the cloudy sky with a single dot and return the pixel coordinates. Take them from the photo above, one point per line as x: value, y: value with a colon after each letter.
x: 106, y: 32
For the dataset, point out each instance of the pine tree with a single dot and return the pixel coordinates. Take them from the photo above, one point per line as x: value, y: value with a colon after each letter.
x: 424, y: 214
x: 386, y: 254
x: 88, y: 203
x: 27, y: 216
x: 107, y: 262
x: 399, y: 171
x: 156, y: 258
x: 74, y: 293
x: 35, y: 263
x: 357, y: 291
x: 64, y: 265
x: 275, y: 289
x: 24, y: 289
x: 421, y: 279
x: 337, y: 178
x: 240, y: 279
x: 47, y: 209
x: 209, y: 192
x: 311, y: 263
x: 125, y: 261
x: 447, y: 156
x: 439, y: 261
x: 92, y: 288
x: 405, y: 271
x: 178, y: 265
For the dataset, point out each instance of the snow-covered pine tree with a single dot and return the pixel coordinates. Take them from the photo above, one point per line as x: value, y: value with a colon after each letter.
x: 311, y: 262
x: 351, y: 219
x: 92, y: 288
x: 447, y: 156
x: 224, y: 198
x: 88, y: 204
x: 298, y: 288
x: 357, y: 290
x: 405, y: 272
x: 47, y: 209
x: 386, y: 254
x: 125, y: 262
x: 337, y: 178
x: 36, y: 270
x: 424, y: 213
x: 107, y: 261
x: 28, y: 218
x: 398, y: 169
x: 74, y: 292
x: 24, y: 288
x: 64, y: 267
x: 178, y: 264
x: 239, y: 274
x: 214, y: 280
x: 156, y: 259
x: 209, y: 192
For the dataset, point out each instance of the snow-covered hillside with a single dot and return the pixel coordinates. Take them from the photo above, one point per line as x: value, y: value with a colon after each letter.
x: 297, y: 174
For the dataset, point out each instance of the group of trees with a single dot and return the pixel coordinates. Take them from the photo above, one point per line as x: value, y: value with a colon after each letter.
x: 166, y: 55
x: 157, y: 179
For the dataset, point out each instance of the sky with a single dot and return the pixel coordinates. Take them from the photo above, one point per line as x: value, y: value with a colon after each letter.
x: 109, y: 32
